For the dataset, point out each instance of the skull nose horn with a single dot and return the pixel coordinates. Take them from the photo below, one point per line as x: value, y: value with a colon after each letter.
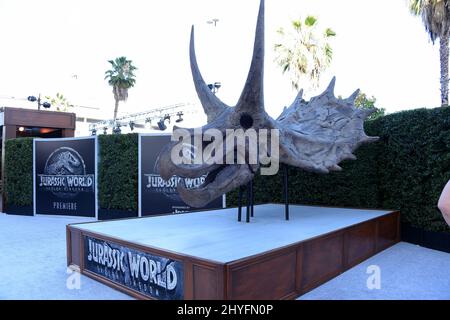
x: 252, y: 96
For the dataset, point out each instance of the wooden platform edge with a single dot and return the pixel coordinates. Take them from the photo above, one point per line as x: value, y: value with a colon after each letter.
x: 282, y: 273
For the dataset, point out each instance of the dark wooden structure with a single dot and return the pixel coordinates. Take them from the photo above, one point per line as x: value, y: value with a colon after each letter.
x: 283, y: 273
x: 18, y: 122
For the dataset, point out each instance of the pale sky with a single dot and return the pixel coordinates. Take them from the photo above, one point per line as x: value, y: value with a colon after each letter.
x: 379, y: 48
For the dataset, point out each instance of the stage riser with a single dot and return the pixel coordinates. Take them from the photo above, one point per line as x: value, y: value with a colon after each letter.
x: 297, y: 269
x: 283, y: 273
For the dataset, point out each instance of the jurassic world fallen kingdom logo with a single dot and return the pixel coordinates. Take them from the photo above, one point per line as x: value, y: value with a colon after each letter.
x: 65, y: 174
x: 156, y: 184
x: 149, y: 274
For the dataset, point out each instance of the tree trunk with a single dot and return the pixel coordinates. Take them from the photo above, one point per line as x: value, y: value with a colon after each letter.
x: 443, y: 51
x: 116, y: 108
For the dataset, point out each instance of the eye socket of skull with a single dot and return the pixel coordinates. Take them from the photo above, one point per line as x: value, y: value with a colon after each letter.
x: 246, y: 120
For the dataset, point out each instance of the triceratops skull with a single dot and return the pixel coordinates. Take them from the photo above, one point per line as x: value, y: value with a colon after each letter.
x: 314, y: 135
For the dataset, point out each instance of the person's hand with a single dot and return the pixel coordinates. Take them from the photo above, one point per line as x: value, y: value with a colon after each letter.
x: 444, y: 203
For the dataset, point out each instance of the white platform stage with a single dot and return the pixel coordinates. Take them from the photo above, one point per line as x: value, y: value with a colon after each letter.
x: 221, y: 258
x: 216, y: 235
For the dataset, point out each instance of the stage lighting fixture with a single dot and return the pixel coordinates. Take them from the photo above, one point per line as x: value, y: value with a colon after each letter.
x: 167, y: 117
x: 180, y: 116
x: 116, y: 129
x: 214, y: 87
x: 161, y: 125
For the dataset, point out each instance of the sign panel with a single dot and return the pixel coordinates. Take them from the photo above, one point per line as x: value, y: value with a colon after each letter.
x: 157, y: 196
x: 65, y: 176
x: 151, y: 275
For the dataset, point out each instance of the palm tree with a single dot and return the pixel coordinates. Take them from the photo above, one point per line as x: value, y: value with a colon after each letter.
x: 121, y: 78
x: 304, y: 51
x: 60, y: 102
x: 364, y: 102
x: 436, y: 18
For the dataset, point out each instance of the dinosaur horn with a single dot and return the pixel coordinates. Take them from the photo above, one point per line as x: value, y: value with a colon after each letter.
x: 328, y: 94
x: 211, y: 104
x: 353, y: 97
x: 252, y: 97
x: 330, y: 89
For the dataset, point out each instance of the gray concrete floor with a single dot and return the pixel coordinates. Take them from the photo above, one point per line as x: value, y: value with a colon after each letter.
x: 33, y: 261
x: 33, y: 266
x: 406, y: 271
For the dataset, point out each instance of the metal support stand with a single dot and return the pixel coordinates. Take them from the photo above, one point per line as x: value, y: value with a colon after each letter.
x: 286, y: 192
x: 252, y: 199
x: 241, y: 190
x: 249, y: 195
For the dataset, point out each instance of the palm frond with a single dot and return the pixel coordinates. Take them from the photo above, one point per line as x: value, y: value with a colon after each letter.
x: 435, y: 16
x: 310, y: 21
x: 304, y: 51
x: 121, y: 74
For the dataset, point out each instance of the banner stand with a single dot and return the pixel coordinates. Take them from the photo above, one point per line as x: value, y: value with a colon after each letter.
x: 65, y: 174
x: 155, y: 195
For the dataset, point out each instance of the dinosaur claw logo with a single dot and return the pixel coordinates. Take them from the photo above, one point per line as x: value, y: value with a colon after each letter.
x: 157, y: 184
x: 65, y: 174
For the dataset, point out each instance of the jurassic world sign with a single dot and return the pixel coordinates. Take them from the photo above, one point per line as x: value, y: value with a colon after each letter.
x: 157, y: 196
x: 65, y: 176
x: 150, y: 275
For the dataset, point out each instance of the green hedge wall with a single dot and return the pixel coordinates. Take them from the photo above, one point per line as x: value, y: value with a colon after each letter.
x: 357, y: 185
x: 18, y: 184
x: 118, y: 166
x: 344, y: 188
x: 406, y: 170
x: 118, y: 172
x: 414, y: 164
